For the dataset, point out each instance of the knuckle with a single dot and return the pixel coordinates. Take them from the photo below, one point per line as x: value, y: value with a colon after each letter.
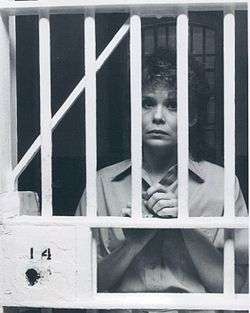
x: 161, y: 202
x: 154, y: 197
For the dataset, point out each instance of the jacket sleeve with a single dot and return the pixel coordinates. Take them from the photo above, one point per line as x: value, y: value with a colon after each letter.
x: 240, y: 238
x: 101, y: 210
x: 241, y: 235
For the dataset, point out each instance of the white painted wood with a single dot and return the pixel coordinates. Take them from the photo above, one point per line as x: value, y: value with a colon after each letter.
x: 34, y: 148
x: 84, y: 263
x: 229, y: 262
x: 93, y: 254
x: 136, y: 114
x: 77, y: 6
x: 45, y: 113
x: 102, y: 58
x: 49, y: 254
x: 7, y: 109
x: 182, y: 114
x: 112, y: 44
x: 15, y: 203
x: 229, y: 114
x: 124, y: 222
x: 13, y: 95
x: 144, y: 301
x: 90, y: 112
x: 229, y: 148
x: 26, y: 159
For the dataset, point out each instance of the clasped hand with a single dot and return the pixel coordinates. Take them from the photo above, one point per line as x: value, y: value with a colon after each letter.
x: 159, y: 200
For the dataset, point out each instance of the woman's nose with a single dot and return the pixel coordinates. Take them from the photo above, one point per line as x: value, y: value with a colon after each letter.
x: 158, y: 114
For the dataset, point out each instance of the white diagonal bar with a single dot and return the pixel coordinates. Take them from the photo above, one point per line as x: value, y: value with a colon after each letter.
x: 90, y: 111
x: 182, y: 114
x: 31, y: 152
x: 229, y: 147
x: 136, y: 112
x: 45, y: 113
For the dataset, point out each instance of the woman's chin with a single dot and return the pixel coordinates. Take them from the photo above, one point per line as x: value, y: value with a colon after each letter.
x: 159, y: 144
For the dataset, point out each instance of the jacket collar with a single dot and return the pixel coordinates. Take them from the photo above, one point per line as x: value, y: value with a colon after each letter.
x: 195, y: 171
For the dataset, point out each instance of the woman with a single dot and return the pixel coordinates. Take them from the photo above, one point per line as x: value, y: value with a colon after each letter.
x: 165, y: 260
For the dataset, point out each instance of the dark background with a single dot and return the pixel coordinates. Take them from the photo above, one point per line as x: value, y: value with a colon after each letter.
x: 113, y: 112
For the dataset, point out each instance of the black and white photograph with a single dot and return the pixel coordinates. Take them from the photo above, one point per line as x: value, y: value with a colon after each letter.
x: 124, y: 156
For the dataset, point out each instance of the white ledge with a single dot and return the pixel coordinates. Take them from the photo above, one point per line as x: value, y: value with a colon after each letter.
x: 76, y: 6
x: 148, y: 301
x: 126, y: 222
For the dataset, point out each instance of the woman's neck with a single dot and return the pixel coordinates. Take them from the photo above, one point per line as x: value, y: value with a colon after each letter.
x: 157, y: 162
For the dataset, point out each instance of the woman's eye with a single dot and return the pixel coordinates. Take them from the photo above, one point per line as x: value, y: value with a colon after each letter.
x: 147, y: 103
x: 171, y: 105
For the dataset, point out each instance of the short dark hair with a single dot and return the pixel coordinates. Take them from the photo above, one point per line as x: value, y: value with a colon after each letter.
x: 161, y: 66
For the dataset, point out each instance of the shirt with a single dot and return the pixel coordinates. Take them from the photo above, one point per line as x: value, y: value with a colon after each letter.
x: 165, y: 264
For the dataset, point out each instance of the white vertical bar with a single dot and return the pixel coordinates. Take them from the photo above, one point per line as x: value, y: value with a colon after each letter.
x: 182, y: 114
x: 229, y: 113
x: 45, y: 114
x: 136, y: 113
x: 8, y: 118
x: 229, y: 147
x: 229, y: 262
x: 7, y: 109
x: 90, y: 111
x: 90, y: 129
x: 13, y: 96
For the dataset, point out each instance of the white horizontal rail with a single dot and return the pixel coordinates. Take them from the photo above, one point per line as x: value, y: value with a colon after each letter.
x: 182, y: 114
x: 45, y: 114
x: 126, y: 222
x: 34, y: 148
x: 136, y: 114
x: 151, y: 301
x: 75, y: 6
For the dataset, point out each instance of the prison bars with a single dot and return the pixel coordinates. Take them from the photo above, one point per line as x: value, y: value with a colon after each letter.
x: 136, y: 112
x: 67, y: 104
x: 90, y: 112
x: 45, y: 114
x: 229, y: 147
x: 182, y: 114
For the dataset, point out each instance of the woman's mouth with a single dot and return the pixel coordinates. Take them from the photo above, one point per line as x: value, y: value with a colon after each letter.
x: 157, y: 132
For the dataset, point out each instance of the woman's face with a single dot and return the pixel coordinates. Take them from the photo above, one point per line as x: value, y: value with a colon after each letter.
x: 159, y: 115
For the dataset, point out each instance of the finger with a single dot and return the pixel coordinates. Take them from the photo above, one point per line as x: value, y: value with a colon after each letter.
x: 161, y: 204
x: 168, y: 212
x: 126, y: 212
x: 154, y: 188
x: 159, y: 196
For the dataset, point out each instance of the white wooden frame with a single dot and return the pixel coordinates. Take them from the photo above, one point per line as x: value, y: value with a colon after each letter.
x: 11, y: 171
